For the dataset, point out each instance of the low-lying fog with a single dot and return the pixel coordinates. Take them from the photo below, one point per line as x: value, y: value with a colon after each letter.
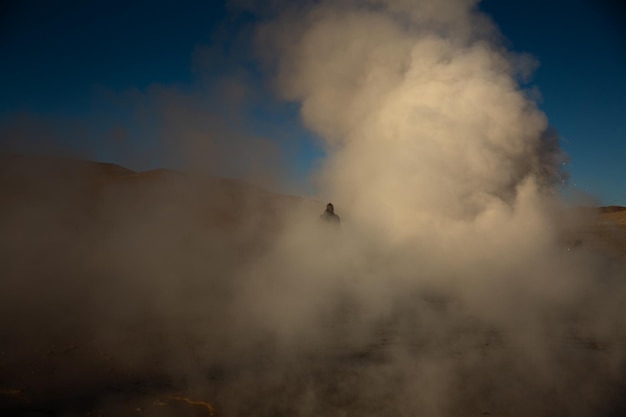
x: 448, y: 289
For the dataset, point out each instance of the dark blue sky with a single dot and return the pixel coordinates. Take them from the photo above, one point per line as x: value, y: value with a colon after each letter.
x: 581, y: 47
x: 54, y: 53
x: 77, y: 76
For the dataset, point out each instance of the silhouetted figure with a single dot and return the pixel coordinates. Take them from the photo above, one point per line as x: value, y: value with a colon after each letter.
x: 329, y: 215
x: 577, y: 243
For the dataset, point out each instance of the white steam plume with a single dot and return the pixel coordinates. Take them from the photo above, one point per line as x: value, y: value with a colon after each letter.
x: 422, y: 112
x: 444, y: 170
x: 432, y: 142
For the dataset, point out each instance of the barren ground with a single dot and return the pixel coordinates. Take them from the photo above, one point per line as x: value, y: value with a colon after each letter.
x: 89, y: 325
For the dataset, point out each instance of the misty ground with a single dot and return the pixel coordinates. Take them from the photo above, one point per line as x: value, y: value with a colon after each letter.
x: 121, y: 294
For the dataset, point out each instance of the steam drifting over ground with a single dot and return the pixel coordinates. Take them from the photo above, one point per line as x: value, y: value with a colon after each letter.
x: 447, y: 290
x: 446, y: 169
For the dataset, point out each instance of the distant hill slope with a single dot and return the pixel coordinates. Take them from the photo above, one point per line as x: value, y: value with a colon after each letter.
x: 598, y: 228
x: 58, y: 166
x: 617, y: 215
x: 60, y: 209
x: 97, y: 194
x: 213, y: 199
x: 612, y: 209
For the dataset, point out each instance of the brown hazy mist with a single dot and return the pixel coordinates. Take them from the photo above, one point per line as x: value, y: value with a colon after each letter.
x: 452, y: 287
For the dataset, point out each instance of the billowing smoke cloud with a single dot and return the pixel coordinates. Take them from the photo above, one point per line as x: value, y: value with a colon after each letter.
x: 433, y: 146
x: 445, y: 169
x: 446, y: 291
x: 422, y: 112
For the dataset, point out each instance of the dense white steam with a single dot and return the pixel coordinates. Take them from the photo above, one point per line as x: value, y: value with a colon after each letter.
x: 434, y: 148
x: 444, y: 170
x: 421, y: 112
